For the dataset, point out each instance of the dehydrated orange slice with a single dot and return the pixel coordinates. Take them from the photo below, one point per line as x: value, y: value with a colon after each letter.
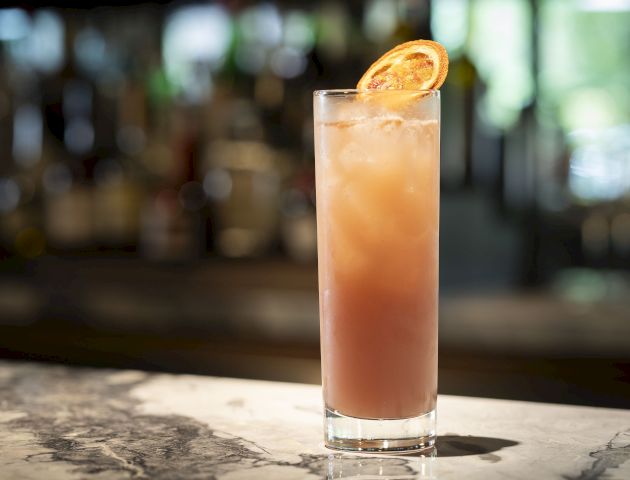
x: 415, y: 65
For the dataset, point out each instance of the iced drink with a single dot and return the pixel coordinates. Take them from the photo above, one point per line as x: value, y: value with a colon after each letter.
x: 377, y: 168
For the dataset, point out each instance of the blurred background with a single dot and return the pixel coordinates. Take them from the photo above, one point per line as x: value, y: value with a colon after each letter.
x: 157, y: 186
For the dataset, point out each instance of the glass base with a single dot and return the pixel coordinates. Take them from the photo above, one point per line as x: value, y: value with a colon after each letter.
x: 379, y: 435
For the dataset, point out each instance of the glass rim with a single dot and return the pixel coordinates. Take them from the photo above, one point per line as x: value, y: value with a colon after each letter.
x: 347, y: 92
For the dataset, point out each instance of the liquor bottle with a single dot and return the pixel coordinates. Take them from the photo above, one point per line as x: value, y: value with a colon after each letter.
x: 68, y: 213
x: 172, y: 225
x: 118, y: 190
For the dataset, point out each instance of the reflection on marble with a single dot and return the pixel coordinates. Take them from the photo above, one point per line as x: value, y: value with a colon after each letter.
x: 70, y: 423
x: 420, y: 467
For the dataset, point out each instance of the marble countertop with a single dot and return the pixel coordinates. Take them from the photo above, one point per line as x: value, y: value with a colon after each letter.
x: 73, y: 423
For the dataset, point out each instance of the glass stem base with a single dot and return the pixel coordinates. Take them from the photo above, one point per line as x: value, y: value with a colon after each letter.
x: 379, y: 435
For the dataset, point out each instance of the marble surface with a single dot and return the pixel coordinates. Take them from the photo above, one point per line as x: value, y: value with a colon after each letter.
x: 70, y: 423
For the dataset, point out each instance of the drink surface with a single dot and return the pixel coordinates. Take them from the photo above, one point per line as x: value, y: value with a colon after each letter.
x: 378, y: 207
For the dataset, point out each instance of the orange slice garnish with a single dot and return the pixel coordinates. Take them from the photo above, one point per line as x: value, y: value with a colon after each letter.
x: 415, y: 65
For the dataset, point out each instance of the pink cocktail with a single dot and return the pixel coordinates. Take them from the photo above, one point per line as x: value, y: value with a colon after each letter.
x: 377, y: 166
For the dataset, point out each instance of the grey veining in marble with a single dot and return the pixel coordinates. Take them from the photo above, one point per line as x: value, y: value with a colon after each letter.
x: 69, y: 423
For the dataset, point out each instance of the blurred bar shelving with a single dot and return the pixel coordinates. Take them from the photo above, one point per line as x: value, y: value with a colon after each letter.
x: 259, y: 320
x: 276, y: 301
x: 156, y: 186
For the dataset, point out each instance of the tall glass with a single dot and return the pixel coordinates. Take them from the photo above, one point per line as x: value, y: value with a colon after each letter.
x: 377, y: 179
